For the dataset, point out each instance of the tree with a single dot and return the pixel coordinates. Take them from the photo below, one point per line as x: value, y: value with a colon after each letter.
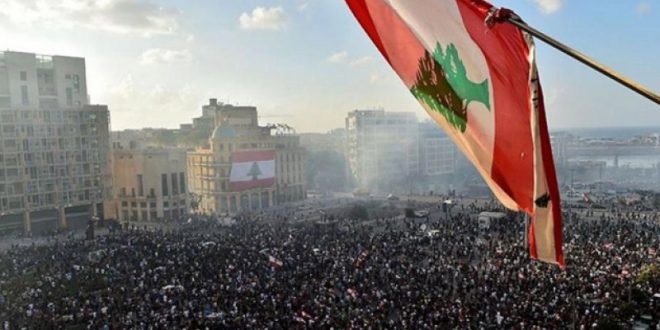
x: 255, y: 171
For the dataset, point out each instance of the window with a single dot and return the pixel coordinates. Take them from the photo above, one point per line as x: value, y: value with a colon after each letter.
x: 182, y: 183
x: 140, y: 185
x: 69, y: 96
x: 24, y: 95
x: 175, y: 185
x: 163, y: 182
x: 76, y: 83
x: 23, y: 76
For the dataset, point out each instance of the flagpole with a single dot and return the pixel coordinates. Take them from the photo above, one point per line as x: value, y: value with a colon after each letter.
x: 585, y: 60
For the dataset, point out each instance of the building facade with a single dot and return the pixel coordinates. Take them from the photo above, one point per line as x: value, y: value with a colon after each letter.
x: 54, y: 145
x: 237, y: 131
x: 438, y: 153
x: 393, y: 152
x: 382, y: 148
x: 150, y: 185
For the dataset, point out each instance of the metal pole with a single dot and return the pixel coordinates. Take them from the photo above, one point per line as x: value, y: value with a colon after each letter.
x: 586, y: 60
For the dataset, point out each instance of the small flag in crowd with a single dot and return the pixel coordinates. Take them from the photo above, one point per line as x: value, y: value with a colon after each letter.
x: 357, y: 263
x: 274, y: 262
x: 352, y: 292
x: 479, y: 82
x: 652, y: 251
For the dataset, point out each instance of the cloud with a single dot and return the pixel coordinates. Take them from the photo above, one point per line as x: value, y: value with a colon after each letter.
x: 548, y: 6
x: 342, y: 57
x: 119, y: 16
x: 303, y: 6
x: 158, y: 55
x: 264, y: 19
x: 130, y: 97
x: 361, y: 61
x: 643, y: 8
x: 339, y: 57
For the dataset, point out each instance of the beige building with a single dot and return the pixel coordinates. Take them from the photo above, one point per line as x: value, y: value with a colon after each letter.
x: 150, y: 185
x: 54, y: 145
x: 237, y: 131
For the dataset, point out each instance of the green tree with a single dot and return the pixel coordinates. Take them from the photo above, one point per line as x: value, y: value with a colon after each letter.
x: 442, y: 84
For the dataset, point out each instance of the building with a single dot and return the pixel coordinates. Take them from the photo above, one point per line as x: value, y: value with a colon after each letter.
x: 150, y: 185
x: 54, y: 145
x: 382, y: 148
x: 438, y: 153
x: 238, y: 133
x: 129, y: 139
x: 334, y: 140
x: 207, y: 121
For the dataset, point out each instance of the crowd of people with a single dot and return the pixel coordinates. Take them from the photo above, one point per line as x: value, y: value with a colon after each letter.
x: 268, y: 272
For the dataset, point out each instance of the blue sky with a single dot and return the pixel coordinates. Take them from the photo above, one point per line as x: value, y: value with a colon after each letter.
x: 307, y: 62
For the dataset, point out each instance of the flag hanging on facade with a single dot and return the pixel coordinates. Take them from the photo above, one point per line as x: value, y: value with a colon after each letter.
x: 479, y: 83
x: 252, y: 169
x: 274, y: 262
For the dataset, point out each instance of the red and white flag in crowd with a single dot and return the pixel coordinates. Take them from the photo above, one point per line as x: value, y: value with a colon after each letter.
x: 357, y: 263
x: 479, y: 83
x: 586, y: 198
x: 274, y: 262
x: 252, y: 169
x: 652, y: 251
x: 352, y: 292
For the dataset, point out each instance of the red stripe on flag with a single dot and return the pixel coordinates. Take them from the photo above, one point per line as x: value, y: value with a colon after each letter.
x: 252, y: 156
x: 504, y: 47
x: 251, y: 184
x: 361, y: 12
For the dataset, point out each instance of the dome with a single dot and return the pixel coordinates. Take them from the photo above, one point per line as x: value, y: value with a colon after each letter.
x: 224, y: 131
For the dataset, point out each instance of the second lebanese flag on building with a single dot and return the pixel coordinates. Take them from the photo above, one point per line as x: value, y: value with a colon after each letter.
x: 480, y: 84
x: 252, y: 169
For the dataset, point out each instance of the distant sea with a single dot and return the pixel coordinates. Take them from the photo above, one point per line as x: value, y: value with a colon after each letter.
x: 617, y: 133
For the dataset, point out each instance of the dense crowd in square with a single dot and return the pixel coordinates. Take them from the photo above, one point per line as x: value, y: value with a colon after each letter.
x: 267, y: 271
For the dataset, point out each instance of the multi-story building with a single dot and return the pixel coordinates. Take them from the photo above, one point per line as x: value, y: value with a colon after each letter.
x: 238, y: 132
x: 382, y: 148
x: 54, y: 145
x: 334, y: 140
x: 150, y: 185
x: 437, y: 150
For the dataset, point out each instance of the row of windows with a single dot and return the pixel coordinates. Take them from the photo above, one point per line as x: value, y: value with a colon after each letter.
x: 152, y: 205
x: 56, y: 118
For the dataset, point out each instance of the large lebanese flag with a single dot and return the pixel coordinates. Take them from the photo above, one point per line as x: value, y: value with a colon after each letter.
x: 252, y: 169
x: 480, y: 85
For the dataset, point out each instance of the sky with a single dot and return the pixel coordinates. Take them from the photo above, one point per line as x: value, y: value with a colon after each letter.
x: 307, y: 62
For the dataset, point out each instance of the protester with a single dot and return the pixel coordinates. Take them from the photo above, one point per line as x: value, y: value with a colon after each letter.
x: 270, y: 272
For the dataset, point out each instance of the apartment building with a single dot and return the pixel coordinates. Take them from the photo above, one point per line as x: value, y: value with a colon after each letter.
x: 54, y: 145
x: 381, y: 147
